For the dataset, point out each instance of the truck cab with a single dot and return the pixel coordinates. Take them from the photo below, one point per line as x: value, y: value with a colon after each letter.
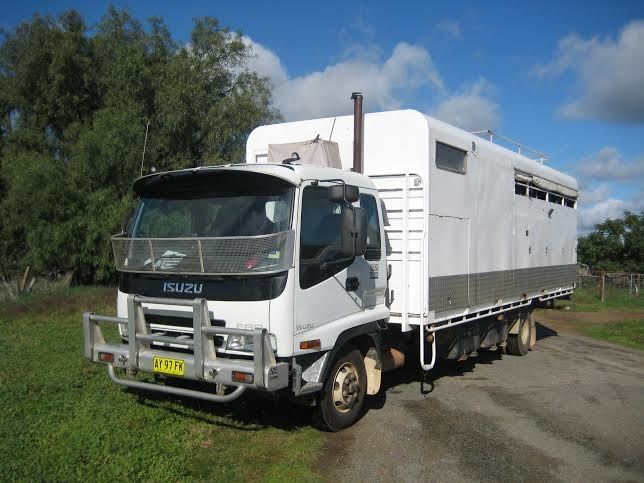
x: 268, y: 277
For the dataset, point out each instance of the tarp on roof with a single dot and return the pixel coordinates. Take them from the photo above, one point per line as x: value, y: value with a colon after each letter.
x: 318, y: 152
x: 545, y: 184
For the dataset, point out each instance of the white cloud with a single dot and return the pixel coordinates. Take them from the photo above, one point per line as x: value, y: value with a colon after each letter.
x: 604, y: 178
x: 265, y: 62
x: 470, y: 109
x: 610, y: 75
x: 594, y: 195
x: 612, y: 208
x: 450, y: 27
x: 368, y: 52
x: 387, y: 84
x: 608, y: 164
x: 599, y: 212
x: 325, y: 93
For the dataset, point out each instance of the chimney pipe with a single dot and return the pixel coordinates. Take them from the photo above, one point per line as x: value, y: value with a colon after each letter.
x: 357, y: 131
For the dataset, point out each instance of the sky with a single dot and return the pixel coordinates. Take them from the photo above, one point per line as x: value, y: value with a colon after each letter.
x: 565, y: 78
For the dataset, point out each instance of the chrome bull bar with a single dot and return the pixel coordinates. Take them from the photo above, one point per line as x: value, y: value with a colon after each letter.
x: 263, y: 372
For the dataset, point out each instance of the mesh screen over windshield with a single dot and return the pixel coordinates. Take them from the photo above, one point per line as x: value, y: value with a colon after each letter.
x: 212, y: 256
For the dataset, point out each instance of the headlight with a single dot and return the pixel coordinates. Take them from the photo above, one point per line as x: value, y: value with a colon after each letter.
x: 240, y: 343
x: 245, y: 343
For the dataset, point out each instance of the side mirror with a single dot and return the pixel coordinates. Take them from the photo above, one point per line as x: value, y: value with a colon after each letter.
x: 341, y: 193
x: 361, y: 231
x: 354, y: 231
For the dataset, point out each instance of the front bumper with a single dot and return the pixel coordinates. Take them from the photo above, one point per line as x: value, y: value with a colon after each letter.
x: 202, y: 365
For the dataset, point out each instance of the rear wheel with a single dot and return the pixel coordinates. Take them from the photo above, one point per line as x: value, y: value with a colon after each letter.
x: 519, y: 343
x: 344, y: 391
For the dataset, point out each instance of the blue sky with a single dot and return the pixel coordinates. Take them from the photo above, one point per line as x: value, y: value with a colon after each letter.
x: 566, y: 78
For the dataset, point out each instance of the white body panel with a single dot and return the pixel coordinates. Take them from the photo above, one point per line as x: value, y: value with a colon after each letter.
x: 444, y: 224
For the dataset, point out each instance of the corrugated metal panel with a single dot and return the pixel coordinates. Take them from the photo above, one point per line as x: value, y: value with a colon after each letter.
x: 451, y: 292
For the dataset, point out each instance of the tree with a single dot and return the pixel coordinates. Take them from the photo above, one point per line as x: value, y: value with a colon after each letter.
x: 615, y: 245
x: 74, y: 110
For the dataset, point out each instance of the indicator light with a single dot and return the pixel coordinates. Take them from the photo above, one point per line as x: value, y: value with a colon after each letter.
x: 310, y: 344
x: 245, y: 377
x: 106, y: 357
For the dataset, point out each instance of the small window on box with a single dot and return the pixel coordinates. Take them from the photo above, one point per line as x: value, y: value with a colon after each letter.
x: 553, y: 198
x: 450, y: 158
x: 535, y: 193
x: 569, y: 203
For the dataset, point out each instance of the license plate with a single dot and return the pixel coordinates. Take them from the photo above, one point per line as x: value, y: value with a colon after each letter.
x: 173, y: 367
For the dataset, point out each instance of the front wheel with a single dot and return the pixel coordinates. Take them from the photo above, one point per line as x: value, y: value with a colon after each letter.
x: 344, y: 391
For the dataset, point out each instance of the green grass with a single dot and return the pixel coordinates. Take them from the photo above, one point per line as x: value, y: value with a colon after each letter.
x: 62, y: 419
x: 629, y: 333
x: 588, y: 300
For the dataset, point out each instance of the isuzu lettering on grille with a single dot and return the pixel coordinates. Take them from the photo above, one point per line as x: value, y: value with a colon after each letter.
x: 180, y: 287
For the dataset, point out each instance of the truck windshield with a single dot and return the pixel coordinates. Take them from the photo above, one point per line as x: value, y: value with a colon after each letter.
x: 230, y: 212
x: 222, y: 223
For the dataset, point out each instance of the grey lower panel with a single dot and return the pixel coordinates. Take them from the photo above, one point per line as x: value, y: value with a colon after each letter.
x: 461, y: 291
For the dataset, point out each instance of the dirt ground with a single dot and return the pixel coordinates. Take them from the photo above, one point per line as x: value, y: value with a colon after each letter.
x: 571, y: 410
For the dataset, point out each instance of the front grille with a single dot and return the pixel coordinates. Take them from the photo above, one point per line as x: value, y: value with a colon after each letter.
x: 177, y: 321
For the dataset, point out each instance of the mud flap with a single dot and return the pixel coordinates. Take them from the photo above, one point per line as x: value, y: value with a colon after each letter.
x: 374, y: 373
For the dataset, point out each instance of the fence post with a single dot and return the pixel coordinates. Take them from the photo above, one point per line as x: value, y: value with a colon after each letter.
x: 602, y: 287
x: 25, y: 277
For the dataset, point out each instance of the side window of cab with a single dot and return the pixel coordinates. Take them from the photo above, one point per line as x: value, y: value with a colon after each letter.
x: 369, y: 203
x: 320, y: 238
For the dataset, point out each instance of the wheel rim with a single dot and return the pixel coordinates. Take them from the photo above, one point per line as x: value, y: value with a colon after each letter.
x: 346, y: 387
x: 525, y: 331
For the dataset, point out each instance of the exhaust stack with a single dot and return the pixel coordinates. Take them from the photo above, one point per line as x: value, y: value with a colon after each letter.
x: 357, y: 131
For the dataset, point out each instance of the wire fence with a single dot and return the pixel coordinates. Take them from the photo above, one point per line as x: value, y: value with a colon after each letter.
x: 611, y: 284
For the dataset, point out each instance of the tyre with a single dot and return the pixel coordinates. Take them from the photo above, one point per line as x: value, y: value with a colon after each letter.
x: 342, y: 398
x: 519, y: 343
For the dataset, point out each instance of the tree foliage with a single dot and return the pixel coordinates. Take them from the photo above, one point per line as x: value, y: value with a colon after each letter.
x: 74, y: 107
x: 615, y: 245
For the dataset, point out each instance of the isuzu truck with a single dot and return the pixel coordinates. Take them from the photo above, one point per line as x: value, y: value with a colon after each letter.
x: 323, y: 261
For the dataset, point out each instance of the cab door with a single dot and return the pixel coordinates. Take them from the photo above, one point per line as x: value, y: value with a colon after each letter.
x: 330, y: 286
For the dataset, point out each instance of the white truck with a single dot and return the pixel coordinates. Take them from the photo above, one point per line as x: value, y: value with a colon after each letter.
x: 308, y: 272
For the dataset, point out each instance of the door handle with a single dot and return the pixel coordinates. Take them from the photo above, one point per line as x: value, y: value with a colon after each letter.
x: 352, y: 284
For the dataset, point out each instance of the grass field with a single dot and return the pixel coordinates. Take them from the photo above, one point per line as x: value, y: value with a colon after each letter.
x: 629, y: 333
x: 617, y: 319
x: 64, y: 420
x: 588, y: 300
